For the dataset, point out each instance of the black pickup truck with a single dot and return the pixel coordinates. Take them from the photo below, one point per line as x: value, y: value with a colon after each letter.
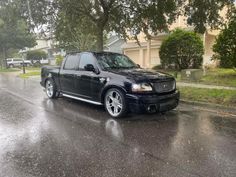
x: 112, y: 80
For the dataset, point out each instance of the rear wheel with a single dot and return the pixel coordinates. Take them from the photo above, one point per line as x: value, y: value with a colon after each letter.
x: 115, y: 103
x: 51, y: 89
x: 11, y: 66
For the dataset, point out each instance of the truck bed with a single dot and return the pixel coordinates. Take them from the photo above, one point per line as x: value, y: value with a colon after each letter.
x: 50, y: 70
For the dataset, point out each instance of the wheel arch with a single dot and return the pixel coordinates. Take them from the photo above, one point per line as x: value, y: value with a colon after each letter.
x: 51, y: 79
x: 104, y: 91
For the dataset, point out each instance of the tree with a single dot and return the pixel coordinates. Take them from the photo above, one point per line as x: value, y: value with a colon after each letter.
x: 36, y: 55
x: 125, y: 17
x: 14, y: 32
x: 202, y: 14
x: 38, y: 13
x: 121, y: 16
x: 225, y: 46
x: 74, y: 36
x: 183, y: 50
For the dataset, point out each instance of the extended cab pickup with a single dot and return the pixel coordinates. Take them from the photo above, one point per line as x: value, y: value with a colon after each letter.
x: 112, y: 80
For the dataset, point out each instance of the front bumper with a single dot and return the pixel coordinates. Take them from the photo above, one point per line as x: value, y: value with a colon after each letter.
x: 153, y: 102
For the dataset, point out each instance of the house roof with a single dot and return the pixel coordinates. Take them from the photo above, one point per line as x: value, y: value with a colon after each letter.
x: 113, y: 39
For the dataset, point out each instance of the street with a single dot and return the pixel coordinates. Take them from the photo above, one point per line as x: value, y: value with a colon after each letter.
x: 41, y: 138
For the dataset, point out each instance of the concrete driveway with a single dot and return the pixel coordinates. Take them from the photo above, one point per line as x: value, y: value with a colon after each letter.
x: 55, y: 138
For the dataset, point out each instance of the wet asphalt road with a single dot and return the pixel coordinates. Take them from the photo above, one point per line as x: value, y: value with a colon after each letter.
x: 41, y: 138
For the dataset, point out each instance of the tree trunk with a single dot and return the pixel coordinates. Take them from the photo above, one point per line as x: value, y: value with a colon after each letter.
x: 100, y: 40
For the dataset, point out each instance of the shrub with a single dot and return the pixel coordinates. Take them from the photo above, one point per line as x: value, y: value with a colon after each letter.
x: 36, y: 55
x: 225, y: 46
x: 157, y: 67
x: 182, y: 50
x: 59, y: 59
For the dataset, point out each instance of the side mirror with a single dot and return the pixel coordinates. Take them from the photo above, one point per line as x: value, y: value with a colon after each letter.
x: 138, y: 66
x: 89, y: 67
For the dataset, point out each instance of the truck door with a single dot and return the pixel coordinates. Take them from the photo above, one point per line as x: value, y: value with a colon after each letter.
x: 67, y: 74
x: 87, y: 80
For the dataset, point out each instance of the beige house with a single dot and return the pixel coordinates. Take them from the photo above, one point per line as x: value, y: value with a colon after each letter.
x: 147, y: 53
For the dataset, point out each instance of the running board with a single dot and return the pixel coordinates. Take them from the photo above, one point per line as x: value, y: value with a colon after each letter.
x: 81, y: 99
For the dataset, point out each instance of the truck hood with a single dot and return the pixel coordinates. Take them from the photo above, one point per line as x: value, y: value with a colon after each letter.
x: 142, y: 75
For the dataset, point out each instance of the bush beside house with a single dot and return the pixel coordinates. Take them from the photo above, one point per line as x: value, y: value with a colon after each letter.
x: 182, y: 50
x: 59, y: 60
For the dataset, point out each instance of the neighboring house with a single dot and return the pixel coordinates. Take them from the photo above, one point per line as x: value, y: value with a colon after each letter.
x: 47, y: 45
x: 147, y: 53
x: 114, y: 44
x: 43, y: 44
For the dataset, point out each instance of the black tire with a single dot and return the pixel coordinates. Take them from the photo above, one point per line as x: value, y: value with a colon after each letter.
x: 51, y: 89
x: 115, y: 103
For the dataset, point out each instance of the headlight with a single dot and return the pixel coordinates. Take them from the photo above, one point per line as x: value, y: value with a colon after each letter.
x: 144, y: 87
x: 174, y: 85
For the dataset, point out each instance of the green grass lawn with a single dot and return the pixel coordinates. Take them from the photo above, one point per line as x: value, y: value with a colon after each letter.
x: 9, y: 70
x: 30, y: 71
x: 30, y: 74
x: 223, y: 97
x: 219, y: 76
x: 33, y: 68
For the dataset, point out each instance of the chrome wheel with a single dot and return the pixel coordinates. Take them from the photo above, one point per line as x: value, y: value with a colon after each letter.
x: 49, y: 89
x: 114, y: 103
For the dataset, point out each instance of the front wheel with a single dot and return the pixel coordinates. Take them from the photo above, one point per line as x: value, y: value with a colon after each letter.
x: 51, y: 89
x: 115, y: 103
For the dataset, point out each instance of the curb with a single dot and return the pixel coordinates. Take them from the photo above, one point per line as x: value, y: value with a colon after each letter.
x: 212, y: 106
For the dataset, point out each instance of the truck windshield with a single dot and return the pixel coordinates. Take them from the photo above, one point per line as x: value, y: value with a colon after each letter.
x: 115, y: 61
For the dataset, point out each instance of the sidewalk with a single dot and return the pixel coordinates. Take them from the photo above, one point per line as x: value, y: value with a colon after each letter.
x: 195, y: 85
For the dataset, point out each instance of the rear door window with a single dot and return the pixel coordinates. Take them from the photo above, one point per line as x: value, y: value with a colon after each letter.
x: 72, y: 62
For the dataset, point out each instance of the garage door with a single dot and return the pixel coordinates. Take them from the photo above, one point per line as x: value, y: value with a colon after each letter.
x: 133, y: 55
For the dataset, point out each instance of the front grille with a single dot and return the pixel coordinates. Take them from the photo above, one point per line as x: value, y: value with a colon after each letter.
x: 164, y: 86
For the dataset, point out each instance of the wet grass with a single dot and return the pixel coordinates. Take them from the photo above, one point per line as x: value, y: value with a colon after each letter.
x: 221, y: 77
x: 217, y: 76
x: 223, y: 97
x: 30, y: 74
x: 9, y: 70
x: 33, y: 68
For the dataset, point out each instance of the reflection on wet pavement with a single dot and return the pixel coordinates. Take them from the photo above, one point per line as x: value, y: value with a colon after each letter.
x: 64, y: 137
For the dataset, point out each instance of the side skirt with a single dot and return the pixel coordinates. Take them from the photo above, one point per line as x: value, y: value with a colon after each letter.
x: 81, y: 99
